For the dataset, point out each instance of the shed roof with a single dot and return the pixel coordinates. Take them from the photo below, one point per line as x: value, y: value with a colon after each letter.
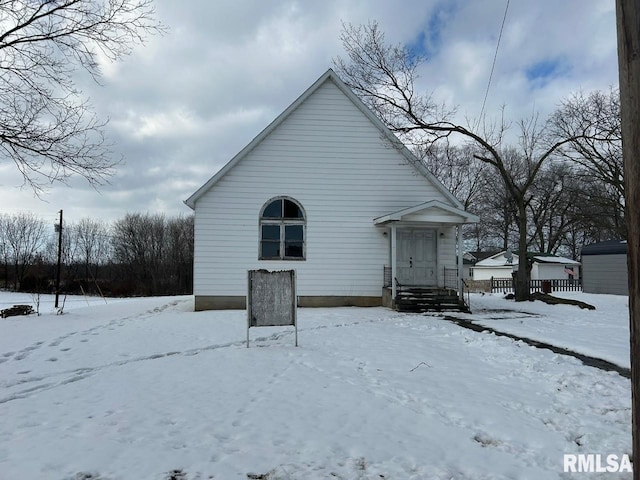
x: 610, y: 247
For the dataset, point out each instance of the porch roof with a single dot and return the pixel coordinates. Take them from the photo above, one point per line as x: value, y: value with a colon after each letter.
x: 433, y: 211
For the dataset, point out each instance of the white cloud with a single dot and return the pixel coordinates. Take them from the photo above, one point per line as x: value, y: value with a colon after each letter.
x: 183, y: 104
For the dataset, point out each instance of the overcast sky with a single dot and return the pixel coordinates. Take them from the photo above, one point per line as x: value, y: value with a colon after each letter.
x: 185, y: 103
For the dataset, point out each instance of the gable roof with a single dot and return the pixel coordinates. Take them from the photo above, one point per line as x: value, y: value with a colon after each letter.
x: 432, y: 204
x: 480, y: 255
x: 496, y: 261
x: 329, y: 75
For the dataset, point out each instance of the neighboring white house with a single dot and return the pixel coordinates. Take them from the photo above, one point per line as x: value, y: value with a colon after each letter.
x: 545, y: 267
x: 325, y: 189
x: 470, y: 259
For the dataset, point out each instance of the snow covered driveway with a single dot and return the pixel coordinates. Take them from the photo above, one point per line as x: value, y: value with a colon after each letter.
x: 147, y: 389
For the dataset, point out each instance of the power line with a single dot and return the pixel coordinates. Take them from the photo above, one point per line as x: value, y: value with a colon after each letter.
x: 493, y: 65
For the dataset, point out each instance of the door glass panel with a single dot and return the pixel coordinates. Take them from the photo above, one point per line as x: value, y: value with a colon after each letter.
x: 420, y: 246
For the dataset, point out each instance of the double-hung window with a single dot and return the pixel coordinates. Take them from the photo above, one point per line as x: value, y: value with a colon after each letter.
x: 282, y: 230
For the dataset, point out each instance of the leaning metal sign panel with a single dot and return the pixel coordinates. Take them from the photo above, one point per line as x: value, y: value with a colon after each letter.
x: 271, y: 299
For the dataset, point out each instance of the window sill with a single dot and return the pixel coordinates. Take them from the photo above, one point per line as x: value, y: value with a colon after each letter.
x: 285, y: 259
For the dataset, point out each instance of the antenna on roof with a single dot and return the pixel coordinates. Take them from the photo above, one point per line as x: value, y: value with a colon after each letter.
x: 509, y: 256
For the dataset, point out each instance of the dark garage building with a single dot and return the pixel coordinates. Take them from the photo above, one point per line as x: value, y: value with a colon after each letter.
x: 604, y: 267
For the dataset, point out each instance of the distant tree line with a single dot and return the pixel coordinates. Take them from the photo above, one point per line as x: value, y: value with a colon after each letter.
x: 139, y: 254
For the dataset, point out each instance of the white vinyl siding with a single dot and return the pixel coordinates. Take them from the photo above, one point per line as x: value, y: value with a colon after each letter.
x: 446, y: 250
x: 486, y: 273
x: 605, y: 274
x: 329, y: 157
x: 541, y: 271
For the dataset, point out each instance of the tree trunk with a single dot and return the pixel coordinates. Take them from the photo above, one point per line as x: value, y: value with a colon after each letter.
x: 522, y: 278
x: 628, y: 23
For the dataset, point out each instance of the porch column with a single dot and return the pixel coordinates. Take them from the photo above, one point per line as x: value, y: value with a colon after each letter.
x: 460, y: 269
x: 393, y: 261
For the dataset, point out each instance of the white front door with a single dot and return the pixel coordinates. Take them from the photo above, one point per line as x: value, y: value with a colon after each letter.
x: 416, y: 262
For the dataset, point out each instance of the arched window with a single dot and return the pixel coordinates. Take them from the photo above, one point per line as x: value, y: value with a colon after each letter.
x: 282, y: 230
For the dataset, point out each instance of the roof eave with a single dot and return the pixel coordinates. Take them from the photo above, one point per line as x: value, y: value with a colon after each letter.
x: 398, y: 215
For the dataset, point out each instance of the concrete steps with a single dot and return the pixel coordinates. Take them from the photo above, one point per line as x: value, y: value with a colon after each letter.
x: 428, y: 299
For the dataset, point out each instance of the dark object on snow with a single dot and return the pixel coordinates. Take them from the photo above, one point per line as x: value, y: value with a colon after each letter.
x: 176, y: 475
x: 17, y: 310
x: 509, y: 296
x: 551, y: 300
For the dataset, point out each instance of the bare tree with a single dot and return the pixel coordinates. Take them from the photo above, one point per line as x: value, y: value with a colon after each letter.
x: 464, y: 175
x: 384, y: 77
x: 91, y: 241
x: 25, y: 235
x: 593, y: 121
x: 552, y: 208
x: 497, y: 217
x: 139, y: 246
x: 47, y: 128
x: 4, y: 249
x: 457, y: 168
x: 179, y: 256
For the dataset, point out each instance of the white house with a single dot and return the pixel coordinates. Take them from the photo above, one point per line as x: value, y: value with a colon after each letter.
x: 545, y: 267
x: 325, y: 189
x: 470, y: 259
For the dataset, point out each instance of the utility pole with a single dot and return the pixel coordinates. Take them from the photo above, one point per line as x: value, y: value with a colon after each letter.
x: 59, y: 230
x: 628, y: 26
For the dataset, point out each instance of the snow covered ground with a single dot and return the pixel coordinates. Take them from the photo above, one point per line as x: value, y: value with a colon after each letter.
x: 148, y: 389
x: 601, y: 333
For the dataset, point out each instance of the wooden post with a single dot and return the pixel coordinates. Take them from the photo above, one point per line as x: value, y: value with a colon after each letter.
x: 460, y: 263
x: 59, y: 260
x: 394, y: 261
x: 628, y: 26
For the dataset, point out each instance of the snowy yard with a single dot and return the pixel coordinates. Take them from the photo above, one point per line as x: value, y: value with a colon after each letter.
x: 148, y: 389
